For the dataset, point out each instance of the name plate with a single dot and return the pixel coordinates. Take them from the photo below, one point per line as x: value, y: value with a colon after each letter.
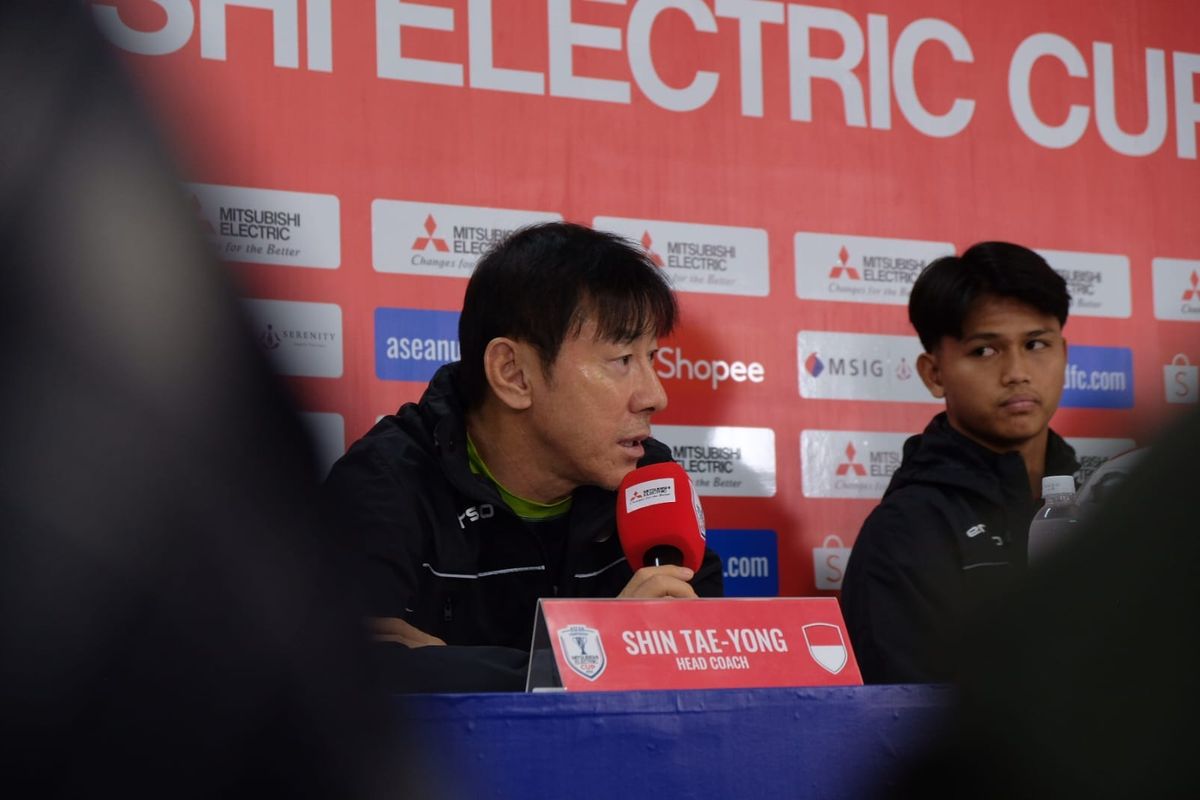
x: 612, y: 645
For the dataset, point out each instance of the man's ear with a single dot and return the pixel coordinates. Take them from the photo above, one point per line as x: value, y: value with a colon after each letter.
x: 506, y: 364
x: 931, y: 374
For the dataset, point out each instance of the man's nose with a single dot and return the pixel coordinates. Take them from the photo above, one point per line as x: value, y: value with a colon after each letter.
x: 651, y: 396
x: 1015, y: 366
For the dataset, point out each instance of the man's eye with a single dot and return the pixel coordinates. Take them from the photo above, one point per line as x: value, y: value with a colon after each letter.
x: 1036, y: 344
x: 983, y: 351
x: 625, y: 360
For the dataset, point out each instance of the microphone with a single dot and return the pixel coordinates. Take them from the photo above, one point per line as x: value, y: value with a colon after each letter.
x: 659, y: 519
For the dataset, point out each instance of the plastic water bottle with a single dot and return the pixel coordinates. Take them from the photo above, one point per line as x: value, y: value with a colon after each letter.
x: 1056, y: 521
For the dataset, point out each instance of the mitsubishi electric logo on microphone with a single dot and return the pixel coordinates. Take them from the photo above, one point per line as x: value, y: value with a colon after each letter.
x: 649, y: 493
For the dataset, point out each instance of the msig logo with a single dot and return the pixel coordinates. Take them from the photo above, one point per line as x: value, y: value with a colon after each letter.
x: 750, y: 559
x: 411, y: 343
x: 1098, y: 377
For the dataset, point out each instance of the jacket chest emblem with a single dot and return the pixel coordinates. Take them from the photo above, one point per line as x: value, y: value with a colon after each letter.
x: 476, y: 513
x: 980, y: 529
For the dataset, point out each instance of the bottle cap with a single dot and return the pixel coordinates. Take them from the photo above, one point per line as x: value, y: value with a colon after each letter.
x: 1058, y: 484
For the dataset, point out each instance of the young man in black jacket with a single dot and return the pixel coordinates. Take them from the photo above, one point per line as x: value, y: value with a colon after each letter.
x: 953, y: 524
x: 498, y: 487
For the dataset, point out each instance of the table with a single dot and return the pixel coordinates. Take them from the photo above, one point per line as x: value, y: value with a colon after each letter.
x: 837, y: 742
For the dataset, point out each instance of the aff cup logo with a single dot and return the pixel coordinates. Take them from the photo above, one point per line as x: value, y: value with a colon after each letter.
x: 583, y: 650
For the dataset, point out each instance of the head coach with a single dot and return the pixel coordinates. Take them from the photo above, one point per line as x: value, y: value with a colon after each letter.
x: 498, y: 487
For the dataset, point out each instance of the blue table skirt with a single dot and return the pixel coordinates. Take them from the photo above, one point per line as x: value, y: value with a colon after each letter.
x: 844, y: 742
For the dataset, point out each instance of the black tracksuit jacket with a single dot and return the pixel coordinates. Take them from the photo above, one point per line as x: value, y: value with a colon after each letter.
x: 950, y: 533
x: 444, y: 552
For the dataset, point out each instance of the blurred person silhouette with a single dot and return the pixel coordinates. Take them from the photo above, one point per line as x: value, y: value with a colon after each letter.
x: 170, y: 622
x: 1081, y: 683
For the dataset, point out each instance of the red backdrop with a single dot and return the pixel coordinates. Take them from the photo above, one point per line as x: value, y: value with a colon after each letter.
x: 854, y: 132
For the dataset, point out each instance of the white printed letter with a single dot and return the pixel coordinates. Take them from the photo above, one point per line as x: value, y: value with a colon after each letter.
x: 285, y: 24
x: 390, y: 16
x: 564, y: 36
x: 484, y: 73
x: 1028, y: 52
x: 751, y: 14
x: 910, y: 41
x: 803, y: 67
x: 1187, y: 110
x: 174, y: 34
x: 641, y: 60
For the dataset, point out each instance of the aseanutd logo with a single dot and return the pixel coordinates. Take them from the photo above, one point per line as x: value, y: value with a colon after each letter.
x: 849, y: 464
x: 860, y: 269
x: 438, y: 239
x: 268, y: 226
x: 1176, y: 289
x: 714, y: 259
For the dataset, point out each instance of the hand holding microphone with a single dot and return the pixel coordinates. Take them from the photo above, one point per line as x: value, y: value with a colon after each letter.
x: 661, y: 528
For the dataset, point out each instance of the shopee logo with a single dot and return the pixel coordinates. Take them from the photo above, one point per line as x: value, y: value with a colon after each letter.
x: 671, y: 364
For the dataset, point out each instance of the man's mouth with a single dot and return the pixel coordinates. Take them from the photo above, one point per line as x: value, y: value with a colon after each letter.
x: 633, y: 445
x: 1021, y: 402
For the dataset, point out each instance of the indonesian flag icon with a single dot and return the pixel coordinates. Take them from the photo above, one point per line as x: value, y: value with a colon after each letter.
x: 826, y: 646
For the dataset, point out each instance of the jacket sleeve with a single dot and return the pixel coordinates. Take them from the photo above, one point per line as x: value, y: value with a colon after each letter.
x: 896, y: 600
x: 375, y: 515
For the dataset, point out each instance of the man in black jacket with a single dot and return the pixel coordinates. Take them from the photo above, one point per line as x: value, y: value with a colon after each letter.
x: 498, y: 487
x: 953, y: 525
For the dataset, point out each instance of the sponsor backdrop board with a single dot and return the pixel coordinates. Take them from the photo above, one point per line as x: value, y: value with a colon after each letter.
x: 792, y: 167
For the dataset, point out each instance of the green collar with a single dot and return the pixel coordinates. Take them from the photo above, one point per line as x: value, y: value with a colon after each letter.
x: 525, y: 509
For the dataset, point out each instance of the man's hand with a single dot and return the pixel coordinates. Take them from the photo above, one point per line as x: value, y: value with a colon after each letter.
x: 394, y: 629
x: 649, y: 583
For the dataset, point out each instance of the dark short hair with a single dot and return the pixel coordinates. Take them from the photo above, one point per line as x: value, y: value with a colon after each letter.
x: 948, y: 288
x: 541, y: 283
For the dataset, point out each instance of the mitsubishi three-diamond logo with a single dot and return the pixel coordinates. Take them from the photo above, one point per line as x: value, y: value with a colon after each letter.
x: 850, y: 465
x: 843, y: 266
x: 648, y: 245
x: 1194, y: 292
x: 423, y: 242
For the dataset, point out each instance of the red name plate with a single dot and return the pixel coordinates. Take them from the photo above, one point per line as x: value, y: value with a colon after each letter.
x: 608, y: 645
